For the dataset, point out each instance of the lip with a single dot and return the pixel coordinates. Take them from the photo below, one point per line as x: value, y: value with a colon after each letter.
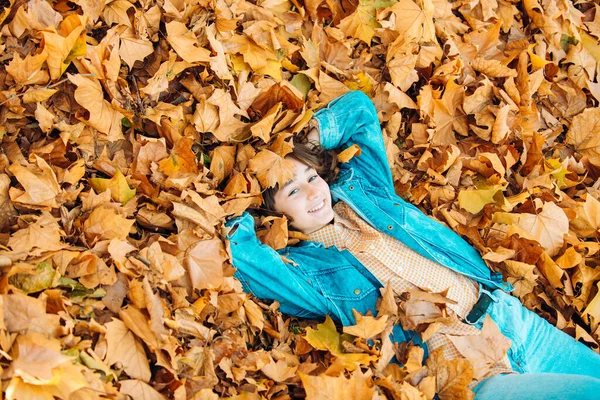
x: 318, y: 207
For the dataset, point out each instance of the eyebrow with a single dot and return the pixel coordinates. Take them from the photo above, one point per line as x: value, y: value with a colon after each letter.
x: 308, y: 168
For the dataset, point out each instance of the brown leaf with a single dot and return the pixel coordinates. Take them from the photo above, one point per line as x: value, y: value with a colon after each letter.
x: 124, y: 348
x: 39, y: 183
x: 584, y: 134
x: 452, y: 377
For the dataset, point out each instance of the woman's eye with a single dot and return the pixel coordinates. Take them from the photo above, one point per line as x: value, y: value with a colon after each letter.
x: 312, y: 178
x: 294, y: 191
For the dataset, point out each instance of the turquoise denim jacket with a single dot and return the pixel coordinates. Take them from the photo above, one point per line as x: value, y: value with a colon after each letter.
x: 321, y: 281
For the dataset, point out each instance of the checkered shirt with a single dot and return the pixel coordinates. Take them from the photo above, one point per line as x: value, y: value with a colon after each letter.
x: 390, y: 260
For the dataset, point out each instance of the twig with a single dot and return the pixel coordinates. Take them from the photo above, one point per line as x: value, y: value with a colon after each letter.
x: 16, y: 96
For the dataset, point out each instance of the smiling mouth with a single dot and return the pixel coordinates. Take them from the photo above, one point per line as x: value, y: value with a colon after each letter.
x: 317, y: 208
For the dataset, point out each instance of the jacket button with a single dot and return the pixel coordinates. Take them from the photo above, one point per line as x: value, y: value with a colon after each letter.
x: 351, y: 187
x: 390, y: 227
x: 356, y: 291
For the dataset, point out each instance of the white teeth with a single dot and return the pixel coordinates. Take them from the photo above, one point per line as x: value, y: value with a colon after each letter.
x: 317, y: 208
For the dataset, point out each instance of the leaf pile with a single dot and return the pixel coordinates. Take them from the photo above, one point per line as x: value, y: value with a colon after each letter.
x: 130, y: 129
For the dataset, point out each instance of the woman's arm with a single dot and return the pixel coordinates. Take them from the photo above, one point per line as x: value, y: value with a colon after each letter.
x: 263, y: 273
x: 352, y: 119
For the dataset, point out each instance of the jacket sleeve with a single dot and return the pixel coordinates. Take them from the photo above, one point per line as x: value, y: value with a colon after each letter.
x: 352, y: 119
x: 263, y: 273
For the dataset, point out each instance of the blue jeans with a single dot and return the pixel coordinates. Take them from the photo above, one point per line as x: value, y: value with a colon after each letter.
x: 553, y: 365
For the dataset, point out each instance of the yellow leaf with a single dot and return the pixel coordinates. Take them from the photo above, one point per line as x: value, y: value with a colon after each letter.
x: 262, y: 129
x: 28, y: 71
x: 452, y: 376
x: 204, y: 262
x: 119, y: 189
x: 360, y: 24
x: 584, y: 134
x: 185, y: 43
x: 413, y: 22
x: 279, y: 371
x: 222, y: 161
x: 474, y: 200
x: 38, y: 95
x: 271, y: 169
x: 137, y: 389
x: 367, y: 327
x: 105, y: 223
x: 587, y: 221
x: 133, y: 48
x: 493, y: 68
x: 277, y: 234
x: 349, y: 153
x: 40, y: 236
x: 102, y: 116
x: 35, y: 280
x: 569, y: 259
x: 41, y: 371
x: 64, y: 45
x: 326, y: 337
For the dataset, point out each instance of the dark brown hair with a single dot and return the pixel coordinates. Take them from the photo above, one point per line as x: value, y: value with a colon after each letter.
x: 312, y: 154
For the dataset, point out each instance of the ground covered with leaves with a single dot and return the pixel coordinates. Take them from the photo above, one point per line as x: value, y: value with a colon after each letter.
x: 131, y: 129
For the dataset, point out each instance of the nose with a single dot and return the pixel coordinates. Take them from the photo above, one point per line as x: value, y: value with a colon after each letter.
x: 311, y: 192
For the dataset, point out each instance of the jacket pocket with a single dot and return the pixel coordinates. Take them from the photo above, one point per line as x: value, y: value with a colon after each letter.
x: 342, y: 282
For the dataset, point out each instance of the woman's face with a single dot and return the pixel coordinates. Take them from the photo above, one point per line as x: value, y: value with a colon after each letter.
x: 306, y: 199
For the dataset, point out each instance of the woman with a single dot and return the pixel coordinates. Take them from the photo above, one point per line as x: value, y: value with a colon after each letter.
x: 363, y: 234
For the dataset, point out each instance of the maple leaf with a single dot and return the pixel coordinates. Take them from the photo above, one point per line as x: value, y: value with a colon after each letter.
x: 548, y: 227
x: 28, y: 71
x: 271, y: 169
x: 483, y: 350
x: 362, y: 23
x: 64, y: 45
x: 117, y: 185
x: 330, y: 387
x: 452, y: 376
x: 40, y: 184
x: 102, y: 115
x: 326, y: 337
x: 414, y: 22
x: 123, y: 347
x: 584, y: 134
x: 38, y: 237
x: 184, y: 43
x: 41, y: 370
x: 366, y: 326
